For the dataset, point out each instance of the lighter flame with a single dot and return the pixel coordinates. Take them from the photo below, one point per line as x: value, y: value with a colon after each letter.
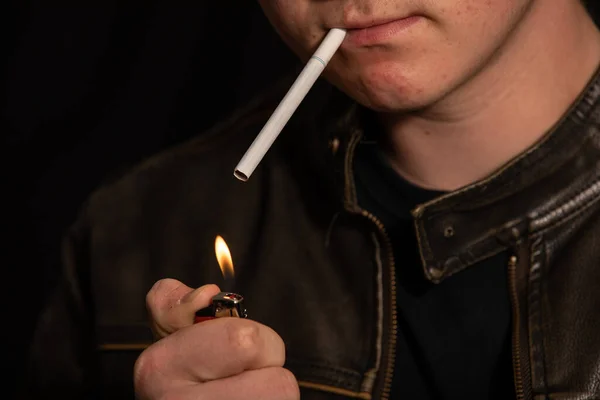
x: 224, y: 258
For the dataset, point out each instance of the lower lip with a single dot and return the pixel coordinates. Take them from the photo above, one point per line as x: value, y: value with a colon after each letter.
x: 379, y: 33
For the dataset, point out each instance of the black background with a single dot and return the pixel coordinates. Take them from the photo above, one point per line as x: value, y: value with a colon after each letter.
x: 93, y: 87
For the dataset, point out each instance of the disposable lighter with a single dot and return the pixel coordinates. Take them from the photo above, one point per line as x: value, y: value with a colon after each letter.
x: 223, y: 304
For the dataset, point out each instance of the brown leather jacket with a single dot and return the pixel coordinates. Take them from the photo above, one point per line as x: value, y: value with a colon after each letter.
x: 320, y: 270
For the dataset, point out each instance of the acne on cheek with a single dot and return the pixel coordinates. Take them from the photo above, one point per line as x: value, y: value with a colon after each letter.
x: 469, y: 8
x: 495, y: 8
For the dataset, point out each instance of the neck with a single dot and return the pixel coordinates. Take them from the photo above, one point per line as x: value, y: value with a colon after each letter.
x: 503, y: 110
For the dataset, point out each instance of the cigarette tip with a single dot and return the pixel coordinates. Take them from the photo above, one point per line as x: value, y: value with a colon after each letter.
x: 240, y: 175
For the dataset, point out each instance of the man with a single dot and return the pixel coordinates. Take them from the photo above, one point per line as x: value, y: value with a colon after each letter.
x: 443, y: 246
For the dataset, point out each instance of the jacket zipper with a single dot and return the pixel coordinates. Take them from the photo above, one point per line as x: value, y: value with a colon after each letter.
x: 520, y: 352
x: 350, y: 194
x: 516, y: 339
x: 391, y: 355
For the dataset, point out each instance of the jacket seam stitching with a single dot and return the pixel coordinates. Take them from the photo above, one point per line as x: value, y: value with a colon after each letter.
x: 537, y: 355
x: 566, y: 218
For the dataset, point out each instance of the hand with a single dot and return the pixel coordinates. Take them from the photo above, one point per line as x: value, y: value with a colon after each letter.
x: 224, y: 358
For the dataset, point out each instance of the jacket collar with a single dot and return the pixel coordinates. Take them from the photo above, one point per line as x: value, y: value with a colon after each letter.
x: 466, y: 226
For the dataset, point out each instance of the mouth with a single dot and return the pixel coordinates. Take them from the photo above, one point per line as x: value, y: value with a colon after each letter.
x: 370, y: 23
x: 365, y: 33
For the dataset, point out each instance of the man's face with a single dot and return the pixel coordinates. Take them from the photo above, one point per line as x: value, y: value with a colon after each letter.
x: 430, y: 48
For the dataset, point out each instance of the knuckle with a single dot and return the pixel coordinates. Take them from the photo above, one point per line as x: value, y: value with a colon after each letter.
x: 280, y: 350
x: 152, y: 295
x: 244, y: 337
x: 286, y: 384
x: 164, y: 284
x: 151, y: 303
x: 156, y: 294
x: 149, y: 377
x: 144, y: 370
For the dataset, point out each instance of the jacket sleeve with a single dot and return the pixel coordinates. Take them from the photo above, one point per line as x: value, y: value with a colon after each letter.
x: 62, y: 356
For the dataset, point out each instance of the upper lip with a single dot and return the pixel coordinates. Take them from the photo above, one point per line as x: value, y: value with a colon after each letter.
x: 369, y: 23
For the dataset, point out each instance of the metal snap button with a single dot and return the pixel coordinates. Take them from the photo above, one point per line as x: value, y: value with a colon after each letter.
x: 449, y: 232
x: 436, y: 273
x: 334, y: 145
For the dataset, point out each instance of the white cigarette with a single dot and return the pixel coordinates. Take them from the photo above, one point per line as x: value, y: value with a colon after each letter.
x: 289, y: 104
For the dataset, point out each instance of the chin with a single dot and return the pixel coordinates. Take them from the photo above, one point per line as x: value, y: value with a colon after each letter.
x: 388, y: 90
x: 394, y: 100
x: 392, y: 104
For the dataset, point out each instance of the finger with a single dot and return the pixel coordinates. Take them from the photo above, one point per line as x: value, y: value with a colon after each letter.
x: 211, y: 350
x: 264, y: 384
x: 172, y: 304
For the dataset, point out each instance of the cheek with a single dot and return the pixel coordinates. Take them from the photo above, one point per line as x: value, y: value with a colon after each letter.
x: 474, y: 20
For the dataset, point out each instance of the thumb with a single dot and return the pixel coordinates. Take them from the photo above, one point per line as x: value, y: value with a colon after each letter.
x: 172, y: 305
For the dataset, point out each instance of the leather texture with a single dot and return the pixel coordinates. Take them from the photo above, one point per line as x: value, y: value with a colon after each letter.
x: 316, y: 268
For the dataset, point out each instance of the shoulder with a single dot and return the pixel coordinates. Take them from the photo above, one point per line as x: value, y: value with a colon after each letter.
x: 207, y: 162
x: 209, y: 157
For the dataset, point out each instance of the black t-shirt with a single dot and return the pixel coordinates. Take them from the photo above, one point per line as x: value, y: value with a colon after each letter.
x: 453, y: 337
